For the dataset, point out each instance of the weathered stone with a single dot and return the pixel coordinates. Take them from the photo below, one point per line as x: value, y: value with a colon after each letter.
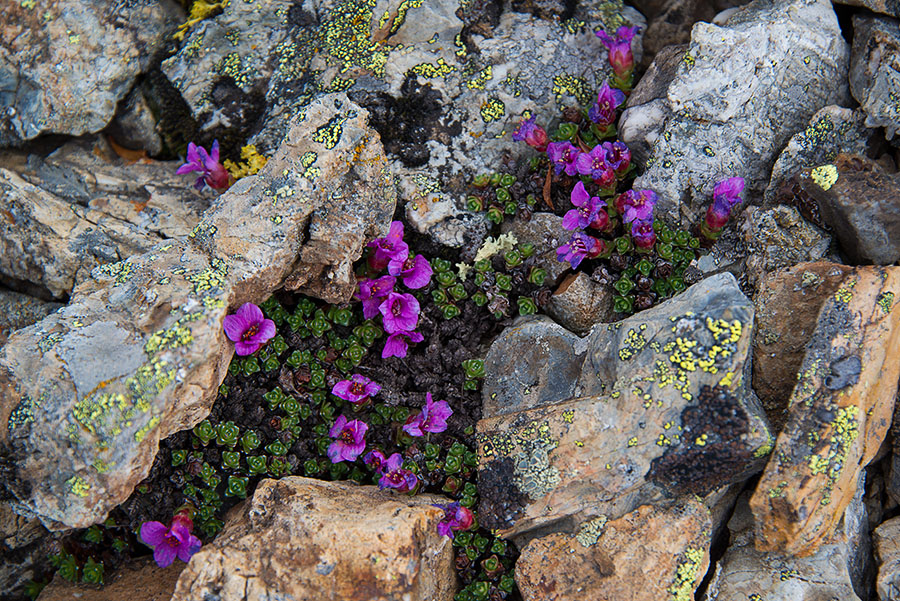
x: 23, y: 544
x: 787, y: 309
x: 300, y: 538
x: 82, y: 430
x: 885, y: 7
x: 20, y: 310
x: 649, y: 554
x: 779, y: 237
x: 663, y: 412
x: 739, y: 93
x: 81, y: 207
x: 546, y: 233
x: 141, y: 579
x: 874, y: 80
x: 65, y: 64
x: 579, y: 302
x: 861, y: 203
x: 837, y: 570
x: 887, y: 552
x: 134, y: 127
x: 831, y: 131
x: 840, y: 411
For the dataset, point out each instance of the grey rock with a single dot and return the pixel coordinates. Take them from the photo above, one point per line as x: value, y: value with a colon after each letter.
x: 24, y: 544
x: 887, y: 553
x: 831, y: 130
x: 739, y: 93
x: 135, y: 125
x: 546, y: 233
x: 885, y: 7
x: 82, y: 436
x: 65, y: 64
x: 874, y: 80
x: 579, y: 303
x: 20, y: 310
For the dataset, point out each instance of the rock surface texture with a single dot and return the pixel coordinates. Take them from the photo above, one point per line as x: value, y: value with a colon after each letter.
x: 300, y: 538
x: 20, y: 310
x: 874, y: 79
x: 662, y: 410
x: 840, y: 411
x: 141, y: 579
x: 740, y: 92
x: 80, y: 431
x: 65, y: 64
x: 886, y: 539
x: 579, y: 303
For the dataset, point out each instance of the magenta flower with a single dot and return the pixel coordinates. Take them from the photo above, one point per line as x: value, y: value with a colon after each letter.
x: 636, y: 205
x: 357, y: 389
x: 594, y: 164
x: 350, y: 439
x: 414, y: 271
x: 396, y: 344
x: 393, y: 475
x: 642, y: 233
x: 207, y: 164
x: 433, y: 418
x: 400, y: 311
x: 618, y: 156
x: 456, y: 518
x: 371, y: 293
x: 579, y: 247
x: 375, y: 459
x: 391, y: 247
x: 603, y: 112
x: 563, y: 156
x: 169, y: 543
x: 621, y: 58
x: 726, y: 196
x: 587, y: 211
x: 248, y: 329
x: 532, y: 134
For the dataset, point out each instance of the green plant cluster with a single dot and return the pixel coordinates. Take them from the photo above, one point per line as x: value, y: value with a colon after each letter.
x: 499, y: 197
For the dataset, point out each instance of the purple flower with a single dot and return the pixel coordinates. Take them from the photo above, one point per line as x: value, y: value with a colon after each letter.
x: 375, y: 459
x: 636, y: 205
x: 372, y: 291
x: 618, y: 156
x: 603, y: 112
x: 400, y: 311
x: 171, y: 542
x: 579, y: 246
x: 726, y: 196
x: 620, y: 57
x: 356, y: 390
x: 396, y: 477
x: 350, y: 442
x: 587, y: 211
x: 456, y: 517
x: 594, y: 163
x: 433, y: 418
x: 248, y: 329
x: 532, y: 134
x: 414, y: 271
x: 563, y: 156
x: 207, y: 164
x: 642, y: 233
x: 391, y: 247
x: 396, y: 345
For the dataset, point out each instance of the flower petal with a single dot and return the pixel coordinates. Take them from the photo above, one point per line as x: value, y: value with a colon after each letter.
x: 245, y: 347
x: 338, y: 425
x: 153, y: 533
x: 187, y: 549
x: 265, y: 332
x: 251, y: 313
x: 234, y: 326
x: 164, y: 555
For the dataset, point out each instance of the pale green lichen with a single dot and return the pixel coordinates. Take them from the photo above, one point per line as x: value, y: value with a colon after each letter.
x: 78, y: 486
x: 590, y: 532
x: 824, y: 176
x: 682, y: 588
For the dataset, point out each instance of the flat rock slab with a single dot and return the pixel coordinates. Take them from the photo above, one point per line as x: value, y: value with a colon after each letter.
x: 840, y: 411
x: 305, y: 539
x: 649, y: 554
x: 663, y: 412
x: 138, y: 354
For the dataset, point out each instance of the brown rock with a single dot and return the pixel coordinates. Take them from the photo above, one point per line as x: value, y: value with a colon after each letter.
x: 887, y: 552
x: 24, y: 543
x: 579, y: 303
x: 300, y: 538
x: 840, y: 411
x: 649, y: 554
x: 141, y: 580
x: 787, y: 307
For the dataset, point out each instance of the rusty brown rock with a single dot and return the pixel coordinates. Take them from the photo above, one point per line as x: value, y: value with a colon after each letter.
x: 140, y: 580
x: 649, y: 554
x: 840, y: 411
x: 787, y: 306
x: 301, y: 538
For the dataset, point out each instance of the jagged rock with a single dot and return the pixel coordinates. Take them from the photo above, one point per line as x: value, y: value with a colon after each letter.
x: 546, y: 233
x: 65, y: 64
x: 837, y: 570
x: 861, y: 203
x: 300, y: 538
x: 579, y: 303
x: 840, y: 411
x: 141, y: 579
x: 135, y: 125
x: 874, y: 80
x: 649, y: 554
x: 737, y: 96
x: 787, y: 309
x: 80, y: 430
x: 887, y: 552
x: 81, y: 207
x: 885, y: 7
x: 663, y: 411
x: 24, y: 543
x: 20, y: 310
x: 831, y: 131
x: 779, y: 237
